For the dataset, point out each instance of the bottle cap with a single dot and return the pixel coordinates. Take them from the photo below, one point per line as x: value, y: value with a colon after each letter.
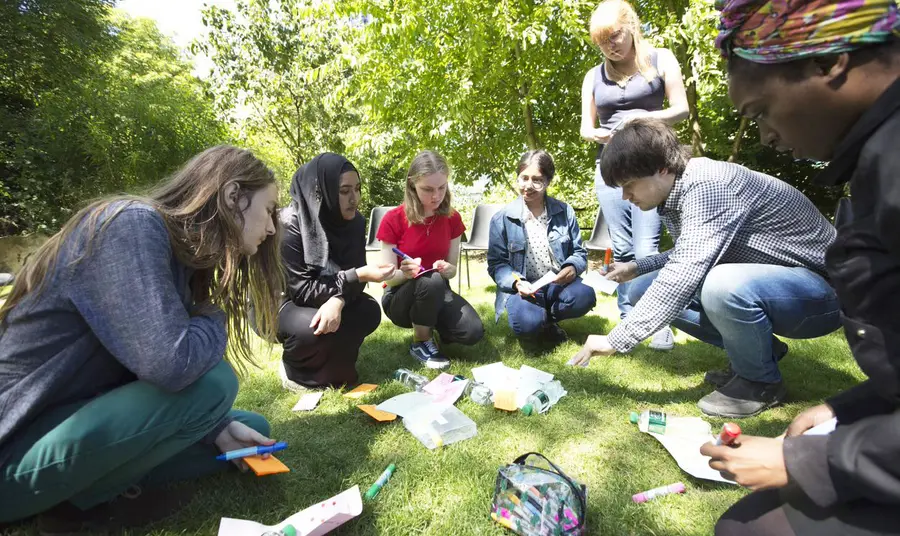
x: 527, y: 409
x: 634, y: 417
x: 730, y: 432
x: 289, y: 530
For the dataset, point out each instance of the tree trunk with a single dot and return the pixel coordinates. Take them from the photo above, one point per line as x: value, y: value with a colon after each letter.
x: 527, y: 110
x: 697, y: 145
x: 736, y: 146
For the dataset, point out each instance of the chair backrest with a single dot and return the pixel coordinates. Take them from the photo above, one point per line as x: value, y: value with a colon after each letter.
x: 600, y: 235
x: 843, y: 214
x: 481, y: 226
x: 372, y: 243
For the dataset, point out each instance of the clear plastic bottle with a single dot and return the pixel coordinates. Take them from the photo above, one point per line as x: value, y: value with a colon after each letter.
x: 411, y: 379
x: 477, y: 392
x: 659, y: 422
x: 541, y: 400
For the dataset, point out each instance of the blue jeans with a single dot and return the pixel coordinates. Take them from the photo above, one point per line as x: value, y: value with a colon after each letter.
x: 528, y: 316
x: 634, y: 232
x: 741, y: 306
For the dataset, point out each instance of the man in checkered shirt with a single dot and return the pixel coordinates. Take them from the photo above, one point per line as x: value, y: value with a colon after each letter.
x: 748, y: 263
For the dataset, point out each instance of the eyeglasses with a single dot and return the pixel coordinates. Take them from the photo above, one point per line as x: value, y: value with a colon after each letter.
x: 537, y: 184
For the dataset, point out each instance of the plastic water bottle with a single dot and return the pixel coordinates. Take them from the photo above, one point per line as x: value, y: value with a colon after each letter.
x: 288, y: 530
x: 541, y: 400
x: 411, y: 379
x: 479, y: 393
x: 659, y: 422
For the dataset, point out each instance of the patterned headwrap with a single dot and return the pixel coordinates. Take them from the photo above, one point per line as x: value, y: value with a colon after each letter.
x: 777, y: 31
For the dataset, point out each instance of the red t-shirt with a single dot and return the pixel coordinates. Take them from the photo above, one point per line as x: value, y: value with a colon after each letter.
x: 429, y: 241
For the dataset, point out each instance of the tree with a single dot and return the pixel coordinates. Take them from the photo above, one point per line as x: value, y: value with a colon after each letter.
x: 124, y: 112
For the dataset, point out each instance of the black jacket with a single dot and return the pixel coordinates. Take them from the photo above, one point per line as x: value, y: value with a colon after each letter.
x: 306, y: 285
x: 861, y: 458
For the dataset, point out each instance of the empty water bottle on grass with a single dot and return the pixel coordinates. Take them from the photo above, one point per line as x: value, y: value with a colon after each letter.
x: 477, y: 392
x: 288, y: 530
x: 658, y: 422
x: 411, y: 379
x: 541, y: 400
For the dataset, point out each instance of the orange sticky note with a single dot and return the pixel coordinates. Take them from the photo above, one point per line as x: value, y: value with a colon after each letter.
x: 377, y: 414
x: 361, y: 390
x: 269, y: 466
x: 505, y: 399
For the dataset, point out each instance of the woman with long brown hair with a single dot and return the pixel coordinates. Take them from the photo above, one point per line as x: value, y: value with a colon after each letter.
x: 112, y: 376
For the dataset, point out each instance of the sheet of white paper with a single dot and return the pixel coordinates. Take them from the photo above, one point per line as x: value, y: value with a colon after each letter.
x: 530, y: 380
x: 686, y: 451
x: 445, y: 389
x: 316, y: 520
x: 596, y: 281
x: 406, y: 403
x: 823, y: 429
x: 497, y: 377
x: 545, y: 280
x: 308, y: 402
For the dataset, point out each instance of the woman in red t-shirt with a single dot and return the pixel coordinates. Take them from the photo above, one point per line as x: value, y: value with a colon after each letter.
x: 427, y: 230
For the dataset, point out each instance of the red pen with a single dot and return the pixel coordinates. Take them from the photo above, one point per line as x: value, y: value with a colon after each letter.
x: 730, y: 432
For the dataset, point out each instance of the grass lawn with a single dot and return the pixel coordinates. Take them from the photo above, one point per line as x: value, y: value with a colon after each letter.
x: 448, y: 491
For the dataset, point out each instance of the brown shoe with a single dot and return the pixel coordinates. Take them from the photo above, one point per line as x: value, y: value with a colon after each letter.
x: 133, y: 508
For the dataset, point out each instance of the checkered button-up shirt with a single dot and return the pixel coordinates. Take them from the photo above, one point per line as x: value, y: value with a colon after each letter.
x: 718, y: 213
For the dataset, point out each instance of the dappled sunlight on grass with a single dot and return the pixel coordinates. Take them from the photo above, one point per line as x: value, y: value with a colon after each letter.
x: 448, y: 491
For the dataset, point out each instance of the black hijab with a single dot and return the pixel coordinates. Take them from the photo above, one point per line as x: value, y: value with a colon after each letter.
x: 326, y: 234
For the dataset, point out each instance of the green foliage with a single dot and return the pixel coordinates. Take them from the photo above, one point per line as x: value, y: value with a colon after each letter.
x: 94, y: 103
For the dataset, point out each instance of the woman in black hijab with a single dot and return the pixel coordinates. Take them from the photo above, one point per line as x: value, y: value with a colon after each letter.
x: 326, y: 315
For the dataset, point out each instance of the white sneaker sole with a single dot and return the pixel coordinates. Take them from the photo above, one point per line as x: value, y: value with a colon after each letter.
x: 663, y: 340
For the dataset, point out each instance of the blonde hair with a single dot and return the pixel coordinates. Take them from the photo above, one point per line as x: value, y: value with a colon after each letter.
x: 613, y: 14
x: 424, y: 164
x: 204, y: 234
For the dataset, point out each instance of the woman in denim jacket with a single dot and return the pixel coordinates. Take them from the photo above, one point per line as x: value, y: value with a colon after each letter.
x: 531, y: 236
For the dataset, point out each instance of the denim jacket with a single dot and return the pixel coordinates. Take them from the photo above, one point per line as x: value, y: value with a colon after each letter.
x: 506, y: 247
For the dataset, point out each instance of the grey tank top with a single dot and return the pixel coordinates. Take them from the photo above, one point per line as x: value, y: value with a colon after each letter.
x: 615, y: 102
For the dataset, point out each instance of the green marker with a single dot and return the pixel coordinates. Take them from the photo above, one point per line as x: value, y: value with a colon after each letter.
x: 382, y: 480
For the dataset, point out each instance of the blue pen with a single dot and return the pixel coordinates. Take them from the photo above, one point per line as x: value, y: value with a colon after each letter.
x: 252, y: 451
x: 405, y: 256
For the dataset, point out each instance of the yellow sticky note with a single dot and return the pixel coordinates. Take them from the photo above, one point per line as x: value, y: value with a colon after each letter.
x: 268, y: 466
x: 377, y: 414
x: 361, y: 390
x: 505, y: 400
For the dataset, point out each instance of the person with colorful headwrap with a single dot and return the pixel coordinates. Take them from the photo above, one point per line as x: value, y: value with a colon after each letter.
x: 823, y: 79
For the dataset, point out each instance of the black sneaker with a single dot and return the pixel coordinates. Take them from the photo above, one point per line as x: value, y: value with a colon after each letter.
x: 554, y: 334
x: 742, y: 398
x: 427, y: 353
x: 720, y: 377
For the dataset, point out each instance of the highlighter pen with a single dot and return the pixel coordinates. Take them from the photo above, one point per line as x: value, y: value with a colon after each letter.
x: 382, y: 480
x: 645, y: 496
x: 607, y: 259
x: 251, y: 451
x: 730, y: 432
x: 405, y: 256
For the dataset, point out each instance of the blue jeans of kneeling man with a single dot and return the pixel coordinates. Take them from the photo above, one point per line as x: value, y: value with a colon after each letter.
x: 741, y: 306
x: 528, y: 316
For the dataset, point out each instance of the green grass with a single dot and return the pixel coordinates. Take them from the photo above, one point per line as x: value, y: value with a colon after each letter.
x: 448, y: 491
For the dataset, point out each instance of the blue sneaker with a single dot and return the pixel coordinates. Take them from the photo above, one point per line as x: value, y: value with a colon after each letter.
x: 427, y: 353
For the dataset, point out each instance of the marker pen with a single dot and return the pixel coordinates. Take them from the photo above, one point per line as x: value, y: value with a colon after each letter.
x: 730, y: 432
x: 651, y: 494
x: 252, y: 451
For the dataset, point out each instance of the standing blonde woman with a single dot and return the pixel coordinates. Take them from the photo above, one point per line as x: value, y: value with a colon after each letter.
x: 428, y: 230
x: 112, y: 376
x: 633, y: 81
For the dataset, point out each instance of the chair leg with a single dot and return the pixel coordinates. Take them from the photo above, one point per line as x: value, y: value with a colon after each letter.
x: 468, y: 271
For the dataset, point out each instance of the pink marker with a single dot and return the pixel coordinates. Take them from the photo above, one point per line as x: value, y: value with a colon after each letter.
x: 648, y: 495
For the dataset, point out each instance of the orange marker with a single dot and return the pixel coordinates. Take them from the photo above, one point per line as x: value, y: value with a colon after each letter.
x: 730, y: 432
x: 607, y: 259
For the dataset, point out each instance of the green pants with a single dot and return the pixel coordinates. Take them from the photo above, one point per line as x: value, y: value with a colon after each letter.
x: 89, y: 452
